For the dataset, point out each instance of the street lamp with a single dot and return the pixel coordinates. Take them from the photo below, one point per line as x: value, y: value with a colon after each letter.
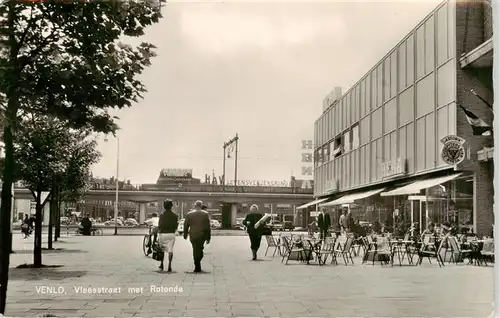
x: 227, y: 144
x: 117, y: 184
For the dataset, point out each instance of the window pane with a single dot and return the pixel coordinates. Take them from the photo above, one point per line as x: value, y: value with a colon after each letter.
x: 429, y: 45
x: 390, y: 116
x: 442, y: 34
x: 430, y: 142
x: 356, y: 104
x: 394, y: 73
x: 332, y: 123
x: 361, y: 167
x: 394, y: 145
x: 446, y: 77
x: 380, y: 157
x: 368, y: 161
x: 406, y: 107
x: 355, y: 137
x: 410, y: 147
x: 368, y: 89
x: 365, y: 130
x: 402, y: 142
x: 452, y: 22
x: 420, y: 160
x: 374, y: 89
x: 420, y: 45
x: 452, y: 119
x: 374, y: 166
x: 332, y: 148
x: 442, y: 131
x: 347, y: 142
x: 376, y: 123
x: 348, y: 174
x: 337, y: 119
x: 345, y: 112
x: 354, y: 169
x: 410, y: 61
x: 362, y: 95
x: 402, y: 67
x: 425, y: 95
x: 380, y: 85
x: 386, y: 81
x: 387, y: 149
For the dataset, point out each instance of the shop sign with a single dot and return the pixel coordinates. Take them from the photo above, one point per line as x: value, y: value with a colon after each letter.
x: 176, y: 174
x: 393, y: 168
x: 213, y: 180
x: 453, y: 151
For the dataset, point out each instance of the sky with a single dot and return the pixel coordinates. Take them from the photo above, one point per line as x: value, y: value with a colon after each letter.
x: 257, y: 68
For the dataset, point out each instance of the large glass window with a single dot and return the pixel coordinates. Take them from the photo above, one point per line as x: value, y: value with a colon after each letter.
x: 368, y: 161
x: 355, y: 136
x: 354, y: 168
x: 365, y: 130
x: 394, y: 145
x: 337, y: 119
x: 402, y: 66
x: 420, y: 45
x: 356, y: 104
x: 442, y: 34
x: 429, y: 45
x: 430, y: 142
x: 442, y: 131
x: 387, y: 148
x: 446, y: 77
x: 394, y: 73
x: 390, y: 116
x: 344, y: 113
x: 451, y: 29
x: 420, y: 159
x: 387, y: 78
x: 406, y: 106
x: 326, y: 152
x: 377, y: 123
x: 347, y: 171
x: 410, y: 61
x: 425, y: 95
x: 374, y: 89
x: 332, y: 150
x: 374, y: 166
x: 362, y: 166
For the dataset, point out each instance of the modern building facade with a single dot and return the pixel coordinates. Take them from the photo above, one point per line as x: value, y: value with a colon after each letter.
x: 397, y: 145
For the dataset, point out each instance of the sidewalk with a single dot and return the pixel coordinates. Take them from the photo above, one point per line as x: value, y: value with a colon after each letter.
x: 234, y: 286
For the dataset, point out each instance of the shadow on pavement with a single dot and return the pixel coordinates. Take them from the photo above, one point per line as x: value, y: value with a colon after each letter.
x: 50, y: 272
x: 197, y: 273
x: 52, y: 251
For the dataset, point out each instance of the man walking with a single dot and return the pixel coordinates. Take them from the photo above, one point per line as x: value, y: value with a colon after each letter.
x: 197, y: 225
x: 324, y: 223
x: 343, y: 221
x: 167, y: 226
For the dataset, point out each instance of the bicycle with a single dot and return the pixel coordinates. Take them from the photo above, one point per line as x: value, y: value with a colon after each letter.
x: 145, y: 242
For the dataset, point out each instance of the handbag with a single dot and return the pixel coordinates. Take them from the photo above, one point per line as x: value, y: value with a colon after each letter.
x: 158, y: 256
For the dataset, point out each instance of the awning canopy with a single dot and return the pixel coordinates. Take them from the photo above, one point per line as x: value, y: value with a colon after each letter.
x: 417, y: 186
x: 311, y: 203
x: 350, y: 198
x: 480, y: 57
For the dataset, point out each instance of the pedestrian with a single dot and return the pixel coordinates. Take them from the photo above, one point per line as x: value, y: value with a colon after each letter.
x: 167, y: 225
x: 86, y: 225
x: 197, y: 225
x: 343, y: 221
x: 324, y: 223
x: 255, y: 234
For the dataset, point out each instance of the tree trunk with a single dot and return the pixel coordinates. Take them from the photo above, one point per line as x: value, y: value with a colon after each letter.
x: 57, y: 229
x: 37, y: 250
x: 51, y: 220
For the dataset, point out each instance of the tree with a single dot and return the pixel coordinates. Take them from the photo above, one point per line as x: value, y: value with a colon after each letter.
x: 52, y: 158
x: 66, y: 56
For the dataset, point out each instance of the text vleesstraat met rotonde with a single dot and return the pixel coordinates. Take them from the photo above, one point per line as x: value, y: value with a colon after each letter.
x: 89, y: 290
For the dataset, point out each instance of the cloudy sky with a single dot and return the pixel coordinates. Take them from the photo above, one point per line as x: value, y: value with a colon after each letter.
x: 257, y: 68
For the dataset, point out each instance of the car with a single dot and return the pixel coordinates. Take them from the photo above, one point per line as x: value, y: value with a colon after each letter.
x: 287, y: 225
x: 131, y: 222
x: 180, y: 227
x: 112, y: 223
x: 276, y: 225
x: 214, y: 224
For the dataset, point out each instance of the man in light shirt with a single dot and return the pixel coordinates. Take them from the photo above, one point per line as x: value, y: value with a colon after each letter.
x: 153, y: 223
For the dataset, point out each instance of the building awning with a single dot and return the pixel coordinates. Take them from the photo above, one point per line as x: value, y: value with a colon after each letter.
x: 350, y: 198
x: 480, y: 57
x: 311, y: 203
x: 417, y: 186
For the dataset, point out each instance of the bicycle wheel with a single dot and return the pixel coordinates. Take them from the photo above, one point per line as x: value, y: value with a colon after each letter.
x: 145, y: 242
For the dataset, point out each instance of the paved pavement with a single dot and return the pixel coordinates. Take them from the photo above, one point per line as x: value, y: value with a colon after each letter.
x: 233, y: 285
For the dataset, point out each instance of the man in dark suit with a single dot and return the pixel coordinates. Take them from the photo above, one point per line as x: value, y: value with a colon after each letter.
x: 255, y: 234
x: 324, y: 223
x: 197, y: 225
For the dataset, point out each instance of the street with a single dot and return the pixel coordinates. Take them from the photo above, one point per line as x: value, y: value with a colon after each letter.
x: 110, y: 276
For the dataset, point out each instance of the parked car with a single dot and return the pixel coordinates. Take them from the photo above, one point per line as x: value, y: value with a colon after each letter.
x: 112, y: 223
x: 275, y: 225
x: 214, y: 224
x: 180, y: 227
x: 287, y: 225
x: 131, y: 222
x: 239, y: 224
